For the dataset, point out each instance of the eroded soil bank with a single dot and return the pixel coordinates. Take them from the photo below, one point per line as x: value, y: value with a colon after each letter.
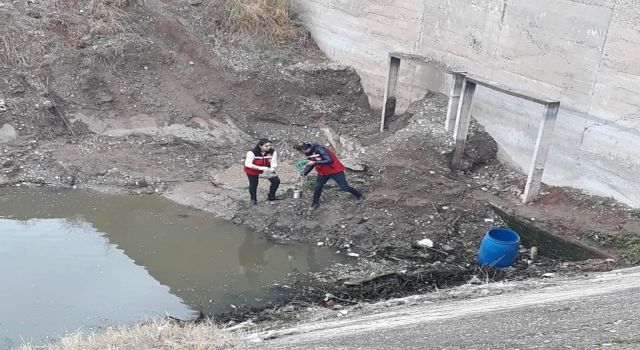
x: 170, y: 105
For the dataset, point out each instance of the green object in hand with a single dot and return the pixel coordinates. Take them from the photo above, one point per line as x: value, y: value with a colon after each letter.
x: 301, y: 164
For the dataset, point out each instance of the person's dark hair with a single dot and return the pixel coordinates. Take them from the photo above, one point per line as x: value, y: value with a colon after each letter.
x: 261, y: 142
x: 302, y: 146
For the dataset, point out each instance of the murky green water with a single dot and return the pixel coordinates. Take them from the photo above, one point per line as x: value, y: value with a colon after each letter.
x: 71, y: 259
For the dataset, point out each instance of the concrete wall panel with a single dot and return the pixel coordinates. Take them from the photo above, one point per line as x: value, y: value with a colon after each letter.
x: 585, y: 53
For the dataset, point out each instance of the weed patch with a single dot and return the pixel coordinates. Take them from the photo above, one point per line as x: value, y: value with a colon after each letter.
x: 267, y: 20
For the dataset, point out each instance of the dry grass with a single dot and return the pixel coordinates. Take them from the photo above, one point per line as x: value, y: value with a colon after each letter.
x: 160, y: 335
x: 270, y: 20
x: 97, y: 17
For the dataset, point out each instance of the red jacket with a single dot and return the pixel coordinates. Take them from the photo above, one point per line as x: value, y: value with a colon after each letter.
x: 258, y: 160
x: 327, y: 163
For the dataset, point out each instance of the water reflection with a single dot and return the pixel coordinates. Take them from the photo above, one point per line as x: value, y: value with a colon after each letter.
x: 89, y: 260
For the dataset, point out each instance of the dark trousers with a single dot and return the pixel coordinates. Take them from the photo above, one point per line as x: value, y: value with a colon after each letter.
x: 340, y: 179
x: 253, y: 186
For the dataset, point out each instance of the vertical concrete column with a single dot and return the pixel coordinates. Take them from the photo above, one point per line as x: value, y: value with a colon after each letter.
x: 454, y: 101
x: 389, y: 101
x: 463, y: 119
x: 540, y: 152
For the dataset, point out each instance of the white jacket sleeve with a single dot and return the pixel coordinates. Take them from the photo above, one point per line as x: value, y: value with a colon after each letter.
x: 274, y: 160
x: 248, y: 162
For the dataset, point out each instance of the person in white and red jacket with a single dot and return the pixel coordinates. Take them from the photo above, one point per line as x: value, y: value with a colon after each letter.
x: 263, y: 158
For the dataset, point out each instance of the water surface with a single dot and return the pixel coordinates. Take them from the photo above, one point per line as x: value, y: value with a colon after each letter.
x: 72, y: 259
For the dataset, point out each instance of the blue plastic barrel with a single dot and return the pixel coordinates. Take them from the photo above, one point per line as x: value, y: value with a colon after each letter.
x: 499, y: 248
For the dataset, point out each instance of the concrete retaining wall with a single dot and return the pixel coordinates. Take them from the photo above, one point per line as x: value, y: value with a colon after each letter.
x: 585, y: 53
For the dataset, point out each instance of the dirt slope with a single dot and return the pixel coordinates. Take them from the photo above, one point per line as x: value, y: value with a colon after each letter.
x: 169, y: 105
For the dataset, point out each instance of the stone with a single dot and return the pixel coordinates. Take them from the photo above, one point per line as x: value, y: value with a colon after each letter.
x: 475, y: 280
x: 447, y: 248
x: 425, y: 243
x: 3, y: 106
x: 533, y: 254
x: 353, y: 164
x: 8, y: 133
x: 348, y: 148
x: 195, y: 2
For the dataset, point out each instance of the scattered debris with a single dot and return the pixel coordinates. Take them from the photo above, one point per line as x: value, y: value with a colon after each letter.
x: 8, y: 133
x: 475, y: 280
x: 533, y: 253
x: 426, y: 243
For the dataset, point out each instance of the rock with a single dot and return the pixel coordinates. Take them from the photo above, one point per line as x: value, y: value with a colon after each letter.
x: 425, y: 243
x: 195, y: 2
x: 349, y: 149
x: 353, y: 164
x: 337, y: 307
x: 533, y: 254
x: 3, y: 106
x: 447, y: 248
x: 8, y: 133
x: 548, y: 275
x: 475, y: 280
x: 355, y: 255
x: 288, y: 308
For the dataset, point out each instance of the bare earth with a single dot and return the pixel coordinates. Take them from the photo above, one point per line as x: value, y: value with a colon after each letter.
x: 170, y: 106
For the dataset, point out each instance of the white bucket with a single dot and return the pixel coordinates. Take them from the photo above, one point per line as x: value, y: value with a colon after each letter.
x: 297, y: 194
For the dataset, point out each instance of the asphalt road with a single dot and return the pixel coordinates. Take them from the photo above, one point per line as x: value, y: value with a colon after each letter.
x: 598, y: 312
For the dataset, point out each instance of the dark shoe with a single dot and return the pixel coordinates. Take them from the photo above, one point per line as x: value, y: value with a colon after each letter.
x: 314, y: 207
x: 254, y: 202
x: 276, y: 198
x: 360, y: 199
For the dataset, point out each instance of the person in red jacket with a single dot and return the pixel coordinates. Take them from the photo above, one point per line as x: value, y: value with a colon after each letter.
x: 328, y: 166
x: 262, y: 159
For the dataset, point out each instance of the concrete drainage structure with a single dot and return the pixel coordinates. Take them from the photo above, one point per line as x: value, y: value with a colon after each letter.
x: 460, y: 99
x: 581, y: 53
